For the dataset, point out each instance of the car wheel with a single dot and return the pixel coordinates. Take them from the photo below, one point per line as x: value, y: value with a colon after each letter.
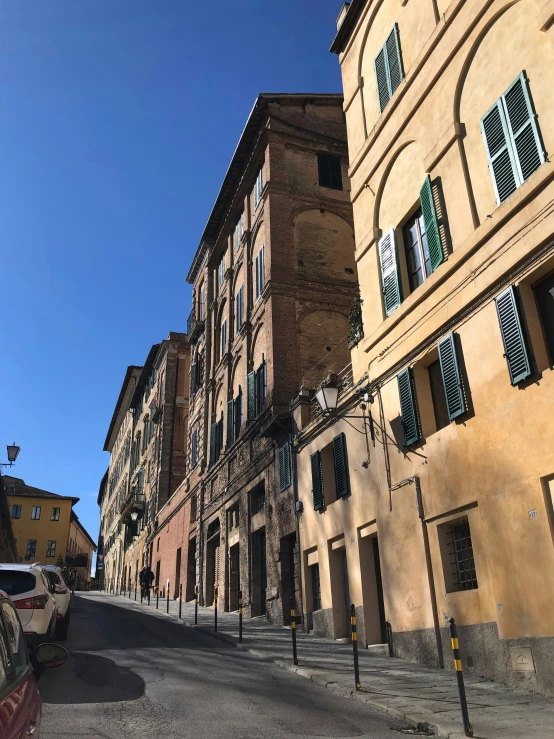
x: 63, y: 627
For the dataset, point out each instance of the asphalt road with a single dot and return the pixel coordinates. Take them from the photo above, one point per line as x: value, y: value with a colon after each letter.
x: 136, y: 674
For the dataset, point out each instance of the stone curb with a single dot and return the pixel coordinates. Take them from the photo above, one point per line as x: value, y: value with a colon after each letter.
x: 417, y: 721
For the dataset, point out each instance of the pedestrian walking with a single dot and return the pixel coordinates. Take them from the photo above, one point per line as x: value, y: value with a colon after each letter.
x: 147, y: 579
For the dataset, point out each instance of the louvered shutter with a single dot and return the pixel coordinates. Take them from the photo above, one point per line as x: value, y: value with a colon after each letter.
x: 451, y: 378
x: 238, y: 415
x: 389, y: 272
x: 251, y: 395
x: 436, y: 254
x: 317, y: 480
x: 517, y: 356
x: 523, y: 128
x: 382, y: 79
x: 213, y: 442
x: 502, y: 163
x: 342, y: 478
x: 408, y: 407
x: 230, y: 422
x: 193, y: 378
x: 394, y: 60
x: 284, y: 468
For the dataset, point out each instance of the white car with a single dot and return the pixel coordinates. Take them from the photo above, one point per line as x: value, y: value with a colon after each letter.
x: 62, y: 594
x: 31, y: 593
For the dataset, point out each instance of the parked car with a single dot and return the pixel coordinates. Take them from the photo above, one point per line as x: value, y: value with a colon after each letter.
x: 20, y: 703
x: 62, y: 594
x: 28, y: 587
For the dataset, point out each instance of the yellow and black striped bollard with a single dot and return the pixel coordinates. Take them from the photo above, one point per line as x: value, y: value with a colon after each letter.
x: 240, y: 615
x: 293, y: 630
x: 355, y: 646
x: 215, y: 609
x: 468, y: 729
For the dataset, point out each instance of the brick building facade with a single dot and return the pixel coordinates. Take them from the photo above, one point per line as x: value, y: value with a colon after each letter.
x: 273, y: 279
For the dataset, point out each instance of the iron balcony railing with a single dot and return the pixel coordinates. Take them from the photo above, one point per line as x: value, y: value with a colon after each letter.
x: 195, y: 326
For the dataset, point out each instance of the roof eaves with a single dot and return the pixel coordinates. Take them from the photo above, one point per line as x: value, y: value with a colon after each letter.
x: 144, y: 375
x: 128, y: 375
x: 347, y: 26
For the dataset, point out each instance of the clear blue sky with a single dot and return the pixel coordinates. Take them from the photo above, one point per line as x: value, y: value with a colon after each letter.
x: 118, y: 119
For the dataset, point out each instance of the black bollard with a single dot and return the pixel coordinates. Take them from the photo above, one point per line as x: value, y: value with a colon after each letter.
x: 180, y: 600
x: 293, y: 630
x: 196, y: 605
x: 135, y: 592
x: 468, y: 729
x: 215, y: 609
x: 157, y: 598
x: 167, y: 594
x: 240, y: 615
x: 355, y: 646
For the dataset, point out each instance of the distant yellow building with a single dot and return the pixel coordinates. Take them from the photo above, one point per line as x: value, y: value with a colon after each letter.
x: 40, y: 521
x: 80, y: 548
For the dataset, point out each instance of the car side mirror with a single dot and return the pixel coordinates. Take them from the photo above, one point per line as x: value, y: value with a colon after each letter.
x: 51, y: 655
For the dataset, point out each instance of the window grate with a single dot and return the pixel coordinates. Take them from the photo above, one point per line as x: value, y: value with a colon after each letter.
x: 460, y: 548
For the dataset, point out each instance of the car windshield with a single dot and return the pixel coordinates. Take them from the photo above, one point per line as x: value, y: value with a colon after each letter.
x: 14, y: 582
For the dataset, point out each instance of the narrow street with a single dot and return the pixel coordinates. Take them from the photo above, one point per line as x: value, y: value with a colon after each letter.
x: 131, y: 674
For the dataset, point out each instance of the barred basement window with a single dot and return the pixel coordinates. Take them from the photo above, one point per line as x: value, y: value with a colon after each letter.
x: 257, y: 501
x: 457, y: 556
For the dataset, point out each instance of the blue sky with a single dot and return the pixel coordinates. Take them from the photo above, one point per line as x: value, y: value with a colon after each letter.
x: 118, y: 119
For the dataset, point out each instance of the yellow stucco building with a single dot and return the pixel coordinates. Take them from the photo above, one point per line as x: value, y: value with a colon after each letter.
x: 80, y: 549
x: 40, y: 521
x: 441, y: 505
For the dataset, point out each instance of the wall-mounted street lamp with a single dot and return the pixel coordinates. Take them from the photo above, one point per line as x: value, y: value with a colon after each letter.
x: 13, y: 451
x: 327, y: 398
x: 134, y: 516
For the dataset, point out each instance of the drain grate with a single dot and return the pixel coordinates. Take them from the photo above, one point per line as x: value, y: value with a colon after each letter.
x: 419, y: 730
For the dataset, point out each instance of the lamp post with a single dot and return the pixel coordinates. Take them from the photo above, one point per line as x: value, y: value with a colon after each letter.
x: 13, y: 451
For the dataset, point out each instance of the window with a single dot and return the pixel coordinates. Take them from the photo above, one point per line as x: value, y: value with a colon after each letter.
x: 316, y: 587
x: 261, y: 388
x: 239, y: 230
x: 216, y: 440
x: 16, y: 511
x: 388, y: 68
x: 51, y: 549
x: 418, y: 261
x: 284, y: 467
x: 457, y: 555
x: 258, y: 188
x: 511, y: 328
x: 10, y: 489
x: 221, y: 271
x: 201, y: 302
x: 260, y: 274
x: 512, y: 139
x: 230, y: 422
x: 544, y: 295
x: 408, y: 407
x: 194, y: 448
x: 193, y: 508
x: 35, y: 513
x: 330, y: 475
x: 239, y: 307
x: 237, y: 414
x: 257, y: 501
x: 223, y: 348
x: 31, y: 549
x: 329, y: 171
x: 437, y: 393
x: 55, y: 514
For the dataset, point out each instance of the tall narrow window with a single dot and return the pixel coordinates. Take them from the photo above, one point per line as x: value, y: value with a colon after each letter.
x: 284, y: 467
x: 329, y: 171
x: 389, y: 272
x: 31, y: 549
x: 260, y: 273
x: 457, y: 556
x: 51, y: 549
x: 16, y: 511
x: 239, y: 230
x: 388, y: 68
x: 544, y: 295
x: 223, y: 339
x: 237, y: 414
x: 512, y: 139
x: 201, y: 308
x: 35, y: 513
x: 55, y: 514
x: 230, y: 423
x: 258, y: 189
x: 418, y: 261
x: 239, y: 307
x: 437, y: 394
x: 221, y: 271
x: 194, y: 448
x: 260, y: 387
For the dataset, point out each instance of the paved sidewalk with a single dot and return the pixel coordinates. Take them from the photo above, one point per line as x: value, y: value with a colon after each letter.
x: 421, y: 696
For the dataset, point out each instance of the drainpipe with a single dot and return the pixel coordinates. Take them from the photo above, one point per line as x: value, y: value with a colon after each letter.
x: 429, y: 565
x: 201, y: 546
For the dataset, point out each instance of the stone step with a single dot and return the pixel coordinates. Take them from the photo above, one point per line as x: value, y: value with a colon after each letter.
x: 379, y: 650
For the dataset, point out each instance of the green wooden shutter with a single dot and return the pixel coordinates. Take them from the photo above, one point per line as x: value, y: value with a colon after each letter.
x: 382, y: 79
x: 436, y: 254
x: 284, y: 467
x: 251, y: 393
x: 408, y: 406
x: 238, y: 415
x: 502, y: 164
x: 389, y: 272
x: 342, y: 478
x: 394, y: 60
x: 230, y: 422
x: 193, y: 371
x: 517, y: 356
x: 451, y: 378
x: 524, y: 131
x: 213, y: 441
x: 317, y: 481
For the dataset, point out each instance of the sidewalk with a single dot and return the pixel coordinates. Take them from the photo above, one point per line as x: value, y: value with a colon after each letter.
x: 406, y: 690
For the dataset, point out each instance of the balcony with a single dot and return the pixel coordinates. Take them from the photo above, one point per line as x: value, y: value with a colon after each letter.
x: 134, y: 502
x: 195, y: 327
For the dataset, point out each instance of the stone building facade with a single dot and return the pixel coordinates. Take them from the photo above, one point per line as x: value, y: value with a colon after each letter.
x: 450, y: 122
x: 273, y: 280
